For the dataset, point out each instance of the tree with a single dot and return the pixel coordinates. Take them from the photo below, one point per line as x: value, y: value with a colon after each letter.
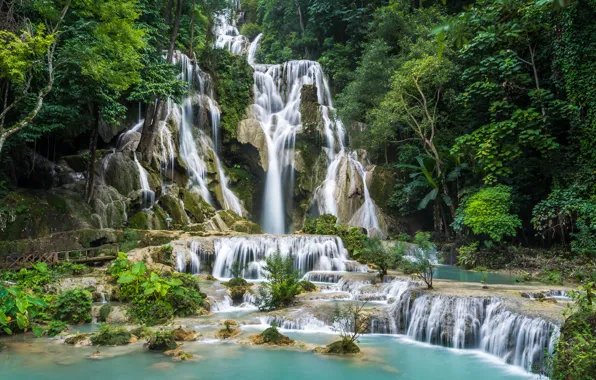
x: 22, y: 59
x: 382, y: 257
x: 283, y: 283
x: 487, y: 213
x: 350, y: 321
x: 421, y: 265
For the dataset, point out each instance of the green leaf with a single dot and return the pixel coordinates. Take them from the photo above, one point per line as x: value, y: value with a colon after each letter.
x: 22, y: 320
x: 126, y: 278
x: 3, y: 318
x: 149, y: 291
x: 38, y: 331
x: 8, y: 331
x: 429, y: 197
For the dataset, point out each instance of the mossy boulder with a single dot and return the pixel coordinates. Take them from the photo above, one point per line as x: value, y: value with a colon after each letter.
x: 381, y: 182
x: 79, y: 340
x: 237, y: 288
x: 180, y: 334
x: 111, y: 336
x: 121, y: 172
x: 229, y: 331
x: 271, y: 336
x: 162, y: 341
x: 172, y: 206
x: 341, y: 347
x: 153, y: 219
x: 196, y: 207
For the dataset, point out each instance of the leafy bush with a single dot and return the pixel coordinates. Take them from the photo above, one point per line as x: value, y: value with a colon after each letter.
x: 250, y: 30
x: 151, y: 312
x: 111, y: 336
x: 421, y: 266
x: 575, y: 352
x: 404, y: 237
x: 382, y: 257
x: 162, y: 340
x: 467, y: 255
x: 74, y: 306
x: 283, y: 284
x: 272, y: 336
x: 18, y: 309
x: 353, y: 239
x: 550, y: 277
x: 142, y: 332
x: 35, y: 279
x: 487, y: 213
x: 104, y: 312
x: 55, y: 327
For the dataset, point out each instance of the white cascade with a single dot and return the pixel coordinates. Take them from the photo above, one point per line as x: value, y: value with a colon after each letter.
x: 180, y: 261
x: 472, y: 322
x: 148, y: 194
x: 195, y: 150
x: 277, y: 90
x: 325, y: 253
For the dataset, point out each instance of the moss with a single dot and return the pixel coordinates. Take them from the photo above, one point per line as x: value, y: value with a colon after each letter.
x: 196, y: 207
x: 272, y: 336
x: 162, y: 341
x: 247, y: 227
x: 381, y: 185
x: 307, y: 286
x: 79, y: 338
x: 111, y: 336
x: 139, y: 221
x: 172, y: 206
x: 341, y: 347
x: 104, y: 311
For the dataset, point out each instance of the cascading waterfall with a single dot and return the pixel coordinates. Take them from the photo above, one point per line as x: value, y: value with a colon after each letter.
x: 194, y: 151
x: 180, y: 261
x: 277, y: 104
x: 470, y: 322
x: 148, y: 194
x: 325, y: 253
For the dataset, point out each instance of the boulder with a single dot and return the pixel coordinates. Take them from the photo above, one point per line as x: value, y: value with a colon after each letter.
x: 129, y: 141
x: 180, y: 334
x: 79, y: 340
x: 120, y: 171
x: 249, y: 131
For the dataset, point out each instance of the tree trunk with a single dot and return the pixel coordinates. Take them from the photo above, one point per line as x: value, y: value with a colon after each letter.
x: 169, y: 12
x: 155, y: 111
x: 92, y: 155
x: 192, y: 29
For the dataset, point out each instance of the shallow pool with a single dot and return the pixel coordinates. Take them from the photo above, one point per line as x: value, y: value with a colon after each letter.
x: 384, y: 357
x: 448, y: 272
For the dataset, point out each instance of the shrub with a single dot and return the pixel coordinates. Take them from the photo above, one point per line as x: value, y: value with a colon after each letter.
x: 142, y: 332
x: 104, y: 312
x: 352, y: 237
x: 250, y: 30
x: 18, y: 309
x: 74, y: 306
x: 421, y: 266
x: 404, y: 237
x: 162, y: 340
x: 35, y: 279
x: 55, y: 327
x: 151, y: 312
x: 467, y: 255
x: 272, y: 336
x: 111, y: 336
x: 283, y: 284
x: 487, y: 213
x: 382, y: 257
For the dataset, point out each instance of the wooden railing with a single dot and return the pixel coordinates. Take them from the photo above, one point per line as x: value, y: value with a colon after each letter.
x: 84, y: 255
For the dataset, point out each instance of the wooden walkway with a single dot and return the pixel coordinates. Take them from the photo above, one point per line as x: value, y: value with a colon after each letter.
x: 85, y: 255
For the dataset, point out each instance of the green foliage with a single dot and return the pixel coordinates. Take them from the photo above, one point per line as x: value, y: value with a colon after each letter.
x: 307, y: 286
x: 487, y: 213
x: 18, y: 54
x: 104, y: 312
x: 575, y: 351
x: 35, y: 278
x: 110, y: 336
x: 282, y: 285
x: 352, y: 237
x: 162, y: 340
x: 550, y: 277
x: 467, y: 255
x: 55, y: 327
x: 74, y: 306
x: 250, y: 30
x: 18, y: 309
x: 421, y: 265
x: 382, y: 257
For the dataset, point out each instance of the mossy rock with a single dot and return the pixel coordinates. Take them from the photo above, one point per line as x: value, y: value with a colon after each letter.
x: 341, y: 347
x: 121, y: 172
x: 196, y: 207
x: 172, y: 206
x: 111, y: 336
x: 104, y: 312
x: 162, y: 341
x: 271, y: 336
x: 227, y: 333
x: 180, y: 334
x: 246, y: 227
x: 142, y: 332
x: 79, y: 340
x: 381, y: 183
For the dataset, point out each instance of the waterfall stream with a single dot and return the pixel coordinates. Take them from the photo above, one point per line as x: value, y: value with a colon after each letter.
x: 148, y: 194
x: 277, y: 108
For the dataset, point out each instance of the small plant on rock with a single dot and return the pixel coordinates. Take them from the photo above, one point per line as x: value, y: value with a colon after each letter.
x: 350, y: 322
x: 111, y: 336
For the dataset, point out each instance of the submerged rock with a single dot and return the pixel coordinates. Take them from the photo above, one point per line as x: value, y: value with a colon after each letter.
x: 231, y: 330
x: 179, y: 355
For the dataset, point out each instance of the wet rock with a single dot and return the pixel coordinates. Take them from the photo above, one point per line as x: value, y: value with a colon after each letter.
x: 79, y: 340
x: 180, y: 334
x: 341, y: 347
x: 129, y: 142
x: 179, y: 355
x: 249, y: 132
x: 271, y: 336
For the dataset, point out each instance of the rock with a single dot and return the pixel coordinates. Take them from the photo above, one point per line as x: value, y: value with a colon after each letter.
x: 341, y: 347
x: 180, y: 334
x: 172, y: 206
x: 120, y: 171
x: 227, y: 333
x: 196, y: 207
x: 118, y: 314
x: 79, y: 340
x: 547, y: 300
x: 129, y: 141
x: 249, y: 132
x: 178, y: 355
x: 162, y: 341
x: 271, y: 336
x: 95, y: 356
x: 133, y: 339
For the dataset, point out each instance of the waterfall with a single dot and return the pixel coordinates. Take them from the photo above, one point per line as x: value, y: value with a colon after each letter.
x: 325, y: 253
x: 180, y: 261
x: 472, y: 322
x: 193, y: 150
x: 277, y: 94
x: 168, y: 153
x: 305, y: 322
x: 148, y: 194
x: 195, y: 263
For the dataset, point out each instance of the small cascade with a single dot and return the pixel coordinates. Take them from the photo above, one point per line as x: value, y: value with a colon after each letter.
x: 103, y: 297
x: 325, y: 253
x: 195, y: 263
x: 180, y: 262
x: 228, y: 36
x: 326, y: 277
x: 148, y: 194
x: 305, y: 322
x: 168, y: 152
x: 252, y: 50
x: 473, y: 322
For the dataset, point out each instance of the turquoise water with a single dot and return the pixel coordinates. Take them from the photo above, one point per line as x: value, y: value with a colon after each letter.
x: 385, y: 357
x: 447, y: 272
